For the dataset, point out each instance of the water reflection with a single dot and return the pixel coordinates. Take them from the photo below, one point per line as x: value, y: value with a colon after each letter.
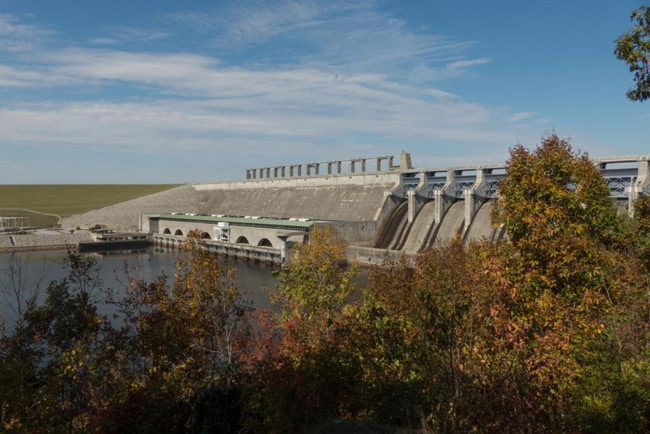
x: 37, y: 269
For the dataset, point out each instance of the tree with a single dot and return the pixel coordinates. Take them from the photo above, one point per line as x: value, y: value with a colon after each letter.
x: 314, y: 286
x: 556, y: 209
x: 175, y: 350
x: 295, y: 375
x: 56, y: 346
x: 579, y: 291
x: 18, y: 292
x: 633, y: 47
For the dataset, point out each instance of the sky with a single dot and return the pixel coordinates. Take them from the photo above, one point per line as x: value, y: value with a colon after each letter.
x: 162, y: 91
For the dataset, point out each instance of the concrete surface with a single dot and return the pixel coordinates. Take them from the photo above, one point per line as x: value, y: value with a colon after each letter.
x: 421, y: 229
x: 451, y: 223
x: 351, y: 198
x: 393, y: 227
x: 372, y: 256
x: 481, y: 226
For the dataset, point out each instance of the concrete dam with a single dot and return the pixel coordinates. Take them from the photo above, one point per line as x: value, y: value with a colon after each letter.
x: 376, y: 206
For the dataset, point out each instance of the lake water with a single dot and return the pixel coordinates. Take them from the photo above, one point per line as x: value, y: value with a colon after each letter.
x: 40, y: 268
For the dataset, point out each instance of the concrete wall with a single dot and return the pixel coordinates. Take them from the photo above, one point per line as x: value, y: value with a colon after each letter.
x: 253, y: 234
x: 349, y: 198
x: 356, y: 233
x: 245, y: 252
x: 371, y: 256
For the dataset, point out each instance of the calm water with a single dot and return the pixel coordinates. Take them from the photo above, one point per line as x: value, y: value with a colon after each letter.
x: 39, y: 268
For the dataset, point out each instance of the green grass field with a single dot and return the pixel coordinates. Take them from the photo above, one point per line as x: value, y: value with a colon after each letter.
x: 66, y: 200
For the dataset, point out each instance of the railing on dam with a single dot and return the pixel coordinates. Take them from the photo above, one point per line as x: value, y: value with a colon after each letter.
x: 626, y: 177
x: 383, y: 163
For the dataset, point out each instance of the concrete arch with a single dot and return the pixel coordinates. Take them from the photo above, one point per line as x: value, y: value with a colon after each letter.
x: 242, y: 240
x: 178, y: 232
x: 264, y: 242
x: 206, y: 236
x: 167, y: 231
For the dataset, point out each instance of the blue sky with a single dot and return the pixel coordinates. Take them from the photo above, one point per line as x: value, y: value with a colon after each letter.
x: 168, y: 92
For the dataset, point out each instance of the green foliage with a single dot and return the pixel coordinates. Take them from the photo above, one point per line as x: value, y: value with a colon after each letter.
x: 633, y: 47
x: 168, y: 356
x: 556, y: 209
x: 313, y: 285
x: 178, y: 347
x: 295, y: 374
x: 51, y: 356
x: 641, y: 229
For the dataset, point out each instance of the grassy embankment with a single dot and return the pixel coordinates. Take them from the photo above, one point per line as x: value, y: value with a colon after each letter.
x: 44, y: 204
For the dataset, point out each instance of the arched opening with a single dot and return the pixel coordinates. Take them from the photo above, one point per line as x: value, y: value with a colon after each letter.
x: 242, y: 240
x: 206, y: 236
x: 178, y: 232
x: 264, y: 243
x: 167, y: 231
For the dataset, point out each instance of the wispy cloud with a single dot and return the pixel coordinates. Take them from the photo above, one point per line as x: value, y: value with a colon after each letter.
x: 334, y: 36
x: 253, y: 22
x: 34, y: 77
x: 104, y: 41
x: 454, y: 69
x: 19, y: 36
x: 520, y: 116
x: 122, y: 34
x: 463, y: 64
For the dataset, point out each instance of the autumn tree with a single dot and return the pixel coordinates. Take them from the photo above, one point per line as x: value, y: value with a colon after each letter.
x: 293, y: 363
x: 641, y: 229
x: 577, y: 284
x: 633, y: 47
x: 178, y: 346
x: 556, y: 209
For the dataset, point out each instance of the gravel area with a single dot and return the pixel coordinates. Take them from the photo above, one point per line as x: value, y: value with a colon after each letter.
x: 33, y: 240
x: 126, y: 215
x: 5, y: 241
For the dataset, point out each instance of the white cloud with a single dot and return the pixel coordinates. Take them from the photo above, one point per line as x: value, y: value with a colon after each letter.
x: 198, y: 104
x: 366, y: 82
x: 337, y: 110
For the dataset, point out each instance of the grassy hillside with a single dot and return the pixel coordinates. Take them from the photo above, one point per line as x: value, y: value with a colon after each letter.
x: 66, y: 200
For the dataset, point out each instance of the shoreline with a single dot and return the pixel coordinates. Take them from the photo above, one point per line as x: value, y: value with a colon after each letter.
x: 42, y: 248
